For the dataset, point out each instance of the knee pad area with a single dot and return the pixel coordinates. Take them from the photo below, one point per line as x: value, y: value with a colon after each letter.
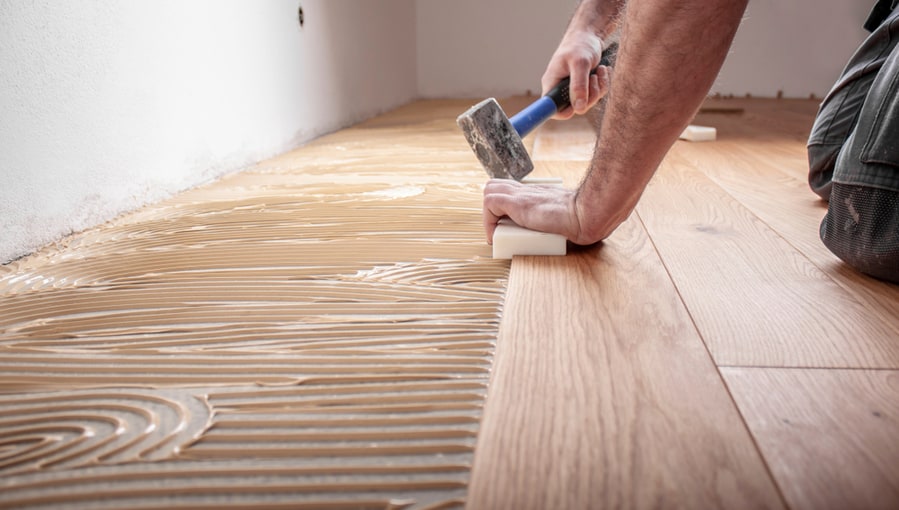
x: 862, y: 228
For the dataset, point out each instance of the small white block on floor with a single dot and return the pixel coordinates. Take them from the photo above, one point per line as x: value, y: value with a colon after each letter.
x: 548, y: 181
x: 699, y: 134
x: 509, y: 239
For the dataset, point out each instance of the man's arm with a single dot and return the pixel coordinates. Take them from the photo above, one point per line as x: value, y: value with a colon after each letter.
x: 669, y: 56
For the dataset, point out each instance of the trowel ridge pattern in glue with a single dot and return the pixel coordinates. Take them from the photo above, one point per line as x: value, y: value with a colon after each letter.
x: 315, y: 332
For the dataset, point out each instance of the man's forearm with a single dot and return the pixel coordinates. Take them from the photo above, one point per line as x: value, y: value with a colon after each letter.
x: 599, y: 16
x: 670, y: 54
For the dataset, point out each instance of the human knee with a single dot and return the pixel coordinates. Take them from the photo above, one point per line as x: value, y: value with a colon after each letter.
x: 862, y: 228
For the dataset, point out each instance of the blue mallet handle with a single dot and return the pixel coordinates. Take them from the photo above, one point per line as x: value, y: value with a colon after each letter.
x: 542, y: 109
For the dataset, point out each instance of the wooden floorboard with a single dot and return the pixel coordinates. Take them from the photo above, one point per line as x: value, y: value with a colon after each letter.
x: 829, y: 436
x: 738, y: 227
x: 735, y: 227
x: 603, y: 394
x: 768, y: 177
x: 755, y: 299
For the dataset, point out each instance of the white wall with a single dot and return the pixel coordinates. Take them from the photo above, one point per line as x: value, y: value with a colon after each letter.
x: 795, y: 46
x: 478, y: 48
x: 107, y: 105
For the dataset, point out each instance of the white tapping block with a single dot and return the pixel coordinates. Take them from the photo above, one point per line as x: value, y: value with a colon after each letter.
x: 549, y: 181
x: 699, y: 134
x: 509, y: 239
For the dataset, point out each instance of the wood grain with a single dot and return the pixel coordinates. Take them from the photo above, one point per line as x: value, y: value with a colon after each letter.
x: 738, y: 228
x: 831, y: 437
x: 755, y: 298
x: 769, y: 177
x: 603, y: 395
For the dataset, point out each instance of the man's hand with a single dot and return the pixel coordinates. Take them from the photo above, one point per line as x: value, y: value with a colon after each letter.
x: 577, y: 55
x: 550, y: 209
x: 594, y: 22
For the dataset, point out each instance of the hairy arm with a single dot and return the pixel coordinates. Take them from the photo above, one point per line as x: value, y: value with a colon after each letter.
x: 669, y: 56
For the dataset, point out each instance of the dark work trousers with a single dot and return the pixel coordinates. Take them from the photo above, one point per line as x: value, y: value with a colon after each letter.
x: 853, y: 154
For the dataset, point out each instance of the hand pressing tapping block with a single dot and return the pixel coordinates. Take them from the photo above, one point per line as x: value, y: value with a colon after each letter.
x: 699, y: 134
x: 509, y: 239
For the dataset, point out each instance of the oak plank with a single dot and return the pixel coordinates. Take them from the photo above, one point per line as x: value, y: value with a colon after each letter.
x: 769, y: 177
x: 603, y: 394
x: 755, y: 299
x: 830, y: 437
x: 704, y: 211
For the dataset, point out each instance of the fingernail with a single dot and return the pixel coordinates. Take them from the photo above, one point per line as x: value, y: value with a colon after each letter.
x: 579, y: 104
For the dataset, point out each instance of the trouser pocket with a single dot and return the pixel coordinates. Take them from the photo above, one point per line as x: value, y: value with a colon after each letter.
x: 879, y: 119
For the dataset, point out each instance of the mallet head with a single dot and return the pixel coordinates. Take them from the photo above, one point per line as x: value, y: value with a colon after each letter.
x: 495, y: 141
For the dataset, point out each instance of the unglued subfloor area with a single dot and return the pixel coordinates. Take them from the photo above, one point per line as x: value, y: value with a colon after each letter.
x: 328, y: 330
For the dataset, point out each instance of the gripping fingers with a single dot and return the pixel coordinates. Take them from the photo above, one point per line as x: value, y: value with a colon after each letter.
x: 497, y: 202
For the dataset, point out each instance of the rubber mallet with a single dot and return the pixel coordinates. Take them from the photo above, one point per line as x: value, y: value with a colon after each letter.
x: 496, y: 139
